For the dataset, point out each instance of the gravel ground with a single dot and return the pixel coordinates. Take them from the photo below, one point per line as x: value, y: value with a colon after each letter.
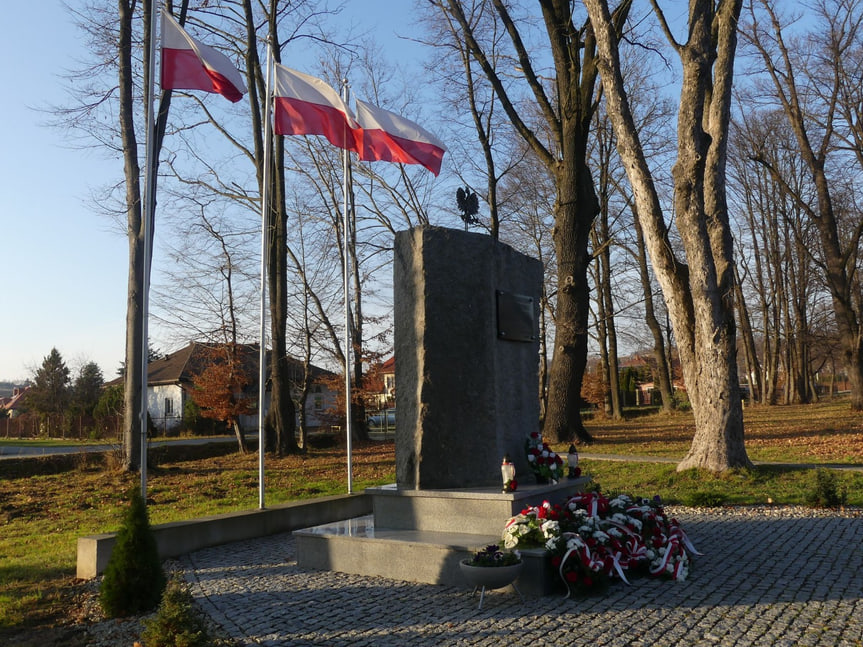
x: 769, y: 575
x: 223, y: 577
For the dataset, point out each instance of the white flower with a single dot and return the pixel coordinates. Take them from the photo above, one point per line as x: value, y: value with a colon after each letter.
x: 531, y: 458
x: 574, y: 542
x: 550, y: 528
x: 600, y: 536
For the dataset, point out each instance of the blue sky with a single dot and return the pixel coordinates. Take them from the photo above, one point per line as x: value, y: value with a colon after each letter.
x: 63, y: 272
x: 64, y: 269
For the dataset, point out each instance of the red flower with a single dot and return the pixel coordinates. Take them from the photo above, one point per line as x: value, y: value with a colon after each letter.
x: 572, y: 577
x: 555, y: 561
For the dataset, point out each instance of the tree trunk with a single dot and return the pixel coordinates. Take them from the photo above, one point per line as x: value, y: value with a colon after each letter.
x: 281, y: 416
x: 699, y: 295
x: 753, y: 368
x: 240, y: 436
x: 280, y: 422
x: 575, y: 209
x: 663, y: 370
x: 605, y: 310
x: 543, y: 356
x: 135, y: 232
x: 359, y: 428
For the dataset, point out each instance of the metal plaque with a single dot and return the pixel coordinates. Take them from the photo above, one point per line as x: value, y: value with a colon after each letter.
x: 515, y: 318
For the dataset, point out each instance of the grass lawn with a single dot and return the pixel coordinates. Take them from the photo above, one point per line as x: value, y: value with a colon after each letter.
x: 47, y: 503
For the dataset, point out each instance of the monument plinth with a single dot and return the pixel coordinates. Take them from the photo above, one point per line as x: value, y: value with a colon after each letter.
x: 467, y: 357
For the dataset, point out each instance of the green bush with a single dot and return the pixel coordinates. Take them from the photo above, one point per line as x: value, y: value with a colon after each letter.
x: 178, y: 622
x: 134, y: 579
x: 826, y: 493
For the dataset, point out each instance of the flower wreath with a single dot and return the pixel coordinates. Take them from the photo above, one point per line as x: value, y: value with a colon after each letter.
x: 543, y: 460
x: 594, y: 540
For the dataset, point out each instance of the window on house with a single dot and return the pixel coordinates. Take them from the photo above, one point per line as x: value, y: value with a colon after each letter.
x: 319, y: 402
x: 169, y: 407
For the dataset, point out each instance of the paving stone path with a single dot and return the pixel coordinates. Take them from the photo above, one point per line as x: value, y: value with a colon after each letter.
x: 766, y: 577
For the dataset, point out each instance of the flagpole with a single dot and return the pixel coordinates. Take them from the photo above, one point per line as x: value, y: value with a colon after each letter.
x: 147, y: 215
x: 345, y: 179
x: 265, y: 209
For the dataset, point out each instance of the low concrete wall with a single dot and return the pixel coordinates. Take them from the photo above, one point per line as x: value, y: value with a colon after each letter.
x: 181, y: 537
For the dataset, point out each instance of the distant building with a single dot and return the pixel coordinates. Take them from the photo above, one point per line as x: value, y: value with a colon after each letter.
x: 11, y: 406
x: 170, y: 381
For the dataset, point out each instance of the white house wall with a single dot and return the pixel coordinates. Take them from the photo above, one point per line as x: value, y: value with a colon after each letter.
x: 165, y: 416
x: 317, y: 404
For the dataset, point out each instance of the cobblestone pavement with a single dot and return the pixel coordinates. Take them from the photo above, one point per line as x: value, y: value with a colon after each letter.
x: 766, y: 577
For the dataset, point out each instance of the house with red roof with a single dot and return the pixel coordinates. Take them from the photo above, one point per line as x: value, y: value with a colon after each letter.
x: 10, y: 406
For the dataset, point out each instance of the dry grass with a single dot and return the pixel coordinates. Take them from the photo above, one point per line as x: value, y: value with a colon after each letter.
x: 827, y: 432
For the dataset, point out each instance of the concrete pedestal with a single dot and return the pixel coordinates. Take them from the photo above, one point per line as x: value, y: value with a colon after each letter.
x: 422, y: 535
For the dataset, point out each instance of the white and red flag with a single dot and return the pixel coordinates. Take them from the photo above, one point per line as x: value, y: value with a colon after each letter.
x: 305, y: 105
x: 188, y: 64
x: 388, y: 137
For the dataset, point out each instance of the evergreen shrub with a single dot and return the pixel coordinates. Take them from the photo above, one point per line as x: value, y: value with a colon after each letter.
x: 134, y: 579
x: 178, y: 622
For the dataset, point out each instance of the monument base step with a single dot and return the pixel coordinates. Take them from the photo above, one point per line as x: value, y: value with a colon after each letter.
x: 480, y: 511
x: 356, y: 546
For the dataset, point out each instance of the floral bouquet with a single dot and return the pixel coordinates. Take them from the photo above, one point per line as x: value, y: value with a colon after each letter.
x: 545, y: 463
x: 532, y: 527
x: 492, y: 555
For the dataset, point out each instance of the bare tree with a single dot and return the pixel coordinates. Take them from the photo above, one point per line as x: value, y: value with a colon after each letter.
x: 463, y: 85
x: 699, y: 293
x: 527, y: 213
x: 602, y: 238
x: 819, y: 95
x: 558, y: 138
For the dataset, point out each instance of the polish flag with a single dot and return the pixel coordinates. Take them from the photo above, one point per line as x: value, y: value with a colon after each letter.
x: 190, y: 65
x: 305, y: 105
x: 389, y: 137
